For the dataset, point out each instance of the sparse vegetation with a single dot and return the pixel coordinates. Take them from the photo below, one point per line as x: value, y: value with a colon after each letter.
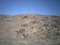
x: 54, y: 25
x: 24, y: 25
x: 20, y: 31
x: 7, y: 20
x: 57, y: 34
x: 44, y: 29
x: 25, y: 17
x: 35, y: 22
x: 2, y: 17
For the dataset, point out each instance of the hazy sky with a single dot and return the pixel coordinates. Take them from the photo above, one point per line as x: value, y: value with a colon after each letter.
x: 13, y: 7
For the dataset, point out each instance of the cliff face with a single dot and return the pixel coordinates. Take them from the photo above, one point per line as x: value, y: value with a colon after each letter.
x: 29, y: 27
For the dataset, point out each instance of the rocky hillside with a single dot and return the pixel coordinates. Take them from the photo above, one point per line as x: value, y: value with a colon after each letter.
x: 29, y: 27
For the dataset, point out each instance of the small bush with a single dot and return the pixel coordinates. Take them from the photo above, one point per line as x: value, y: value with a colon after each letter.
x: 24, y: 25
x: 21, y: 30
x: 7, y: 20
x: 35, y: 22
x: 25, y: 17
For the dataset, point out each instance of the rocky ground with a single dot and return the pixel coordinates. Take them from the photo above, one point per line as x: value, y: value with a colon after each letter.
x: 32, y: 28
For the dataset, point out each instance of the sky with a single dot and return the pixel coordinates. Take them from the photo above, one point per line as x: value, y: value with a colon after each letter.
x: 45, y: 7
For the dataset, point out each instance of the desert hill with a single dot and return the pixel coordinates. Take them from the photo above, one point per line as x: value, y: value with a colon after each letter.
x: 29, y: 27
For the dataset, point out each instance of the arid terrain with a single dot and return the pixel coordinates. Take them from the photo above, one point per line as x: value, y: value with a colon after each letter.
x: 29, y: 29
